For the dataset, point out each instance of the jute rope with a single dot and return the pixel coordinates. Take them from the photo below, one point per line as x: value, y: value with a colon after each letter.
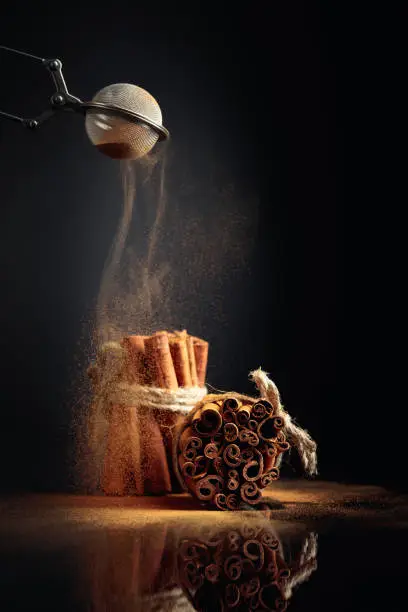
x: 298, y: 437
x: 111, y: 389
x: 181, y: 400
x: 306, y: 565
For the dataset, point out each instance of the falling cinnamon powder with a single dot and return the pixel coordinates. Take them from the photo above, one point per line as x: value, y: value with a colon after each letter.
x: 163, y: 265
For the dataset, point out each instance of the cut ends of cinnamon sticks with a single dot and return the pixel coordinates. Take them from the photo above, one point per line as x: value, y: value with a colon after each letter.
x: 229, y: 449
x: 168, y: 360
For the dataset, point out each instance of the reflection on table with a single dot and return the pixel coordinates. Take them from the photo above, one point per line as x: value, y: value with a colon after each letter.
x: 247, y: 563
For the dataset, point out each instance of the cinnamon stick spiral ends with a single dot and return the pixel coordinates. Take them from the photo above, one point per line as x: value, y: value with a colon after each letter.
x: 228, y: 450
x: 244, y: 569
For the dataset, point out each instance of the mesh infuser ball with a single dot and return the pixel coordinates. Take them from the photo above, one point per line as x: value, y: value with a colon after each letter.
x: 119, y: 137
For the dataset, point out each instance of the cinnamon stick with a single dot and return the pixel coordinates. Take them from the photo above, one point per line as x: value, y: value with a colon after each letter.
x: 135, y: 454
x: 179, y: 353
x: 154, y: 470
x: 192, y: 361
x: 201, y: 357
x: 136, y: 362
x: 115, y: 474
x: 243, y: 415
x: 207, y: 422
x: 159, y: 361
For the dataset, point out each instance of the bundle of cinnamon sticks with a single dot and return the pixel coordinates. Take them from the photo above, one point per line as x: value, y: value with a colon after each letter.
x: 167, y: 360
x: 229, y: 449
x: 139, y: 449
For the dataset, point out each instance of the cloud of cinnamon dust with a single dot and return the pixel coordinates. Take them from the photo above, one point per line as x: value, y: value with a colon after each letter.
x: 174, y: 257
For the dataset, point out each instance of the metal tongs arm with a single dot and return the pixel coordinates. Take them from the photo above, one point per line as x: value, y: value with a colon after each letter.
x: 60, y: 100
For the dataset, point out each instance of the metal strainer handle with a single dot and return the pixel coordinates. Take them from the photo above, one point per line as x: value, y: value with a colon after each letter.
x: 63, y: 100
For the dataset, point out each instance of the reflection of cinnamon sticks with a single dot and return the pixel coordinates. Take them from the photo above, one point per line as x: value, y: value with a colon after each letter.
x: 120, y: 566
x: 239, y: 573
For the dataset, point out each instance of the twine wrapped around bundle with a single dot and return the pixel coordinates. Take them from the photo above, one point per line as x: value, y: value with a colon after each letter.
x: 131, y: 422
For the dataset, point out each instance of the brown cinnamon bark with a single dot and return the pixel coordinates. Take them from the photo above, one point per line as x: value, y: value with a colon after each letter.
x: 201, y: 357
x: 139, y: 452
x: 135, y: 455
x: 115, y: 478
x: 154, y: 469
x: 192, y: 361
x: 136, y: 359
x: 220, y: 459
x: 179, y: 353
x: 159, y: 361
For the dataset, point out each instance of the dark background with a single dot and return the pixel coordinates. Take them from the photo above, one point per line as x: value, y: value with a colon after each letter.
x: 291, y: 105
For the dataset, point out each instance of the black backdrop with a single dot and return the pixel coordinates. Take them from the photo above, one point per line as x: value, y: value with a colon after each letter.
x: 284, y: 102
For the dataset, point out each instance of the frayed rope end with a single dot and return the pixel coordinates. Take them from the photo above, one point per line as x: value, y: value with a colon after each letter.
x: 301, y: 439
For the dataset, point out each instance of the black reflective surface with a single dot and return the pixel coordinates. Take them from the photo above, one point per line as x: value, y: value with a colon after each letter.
x: 99, y: 557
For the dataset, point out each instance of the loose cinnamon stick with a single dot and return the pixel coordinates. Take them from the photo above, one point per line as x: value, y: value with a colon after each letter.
x: 159, y: 361
x: 179, y: 353
x: 201, y: 358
